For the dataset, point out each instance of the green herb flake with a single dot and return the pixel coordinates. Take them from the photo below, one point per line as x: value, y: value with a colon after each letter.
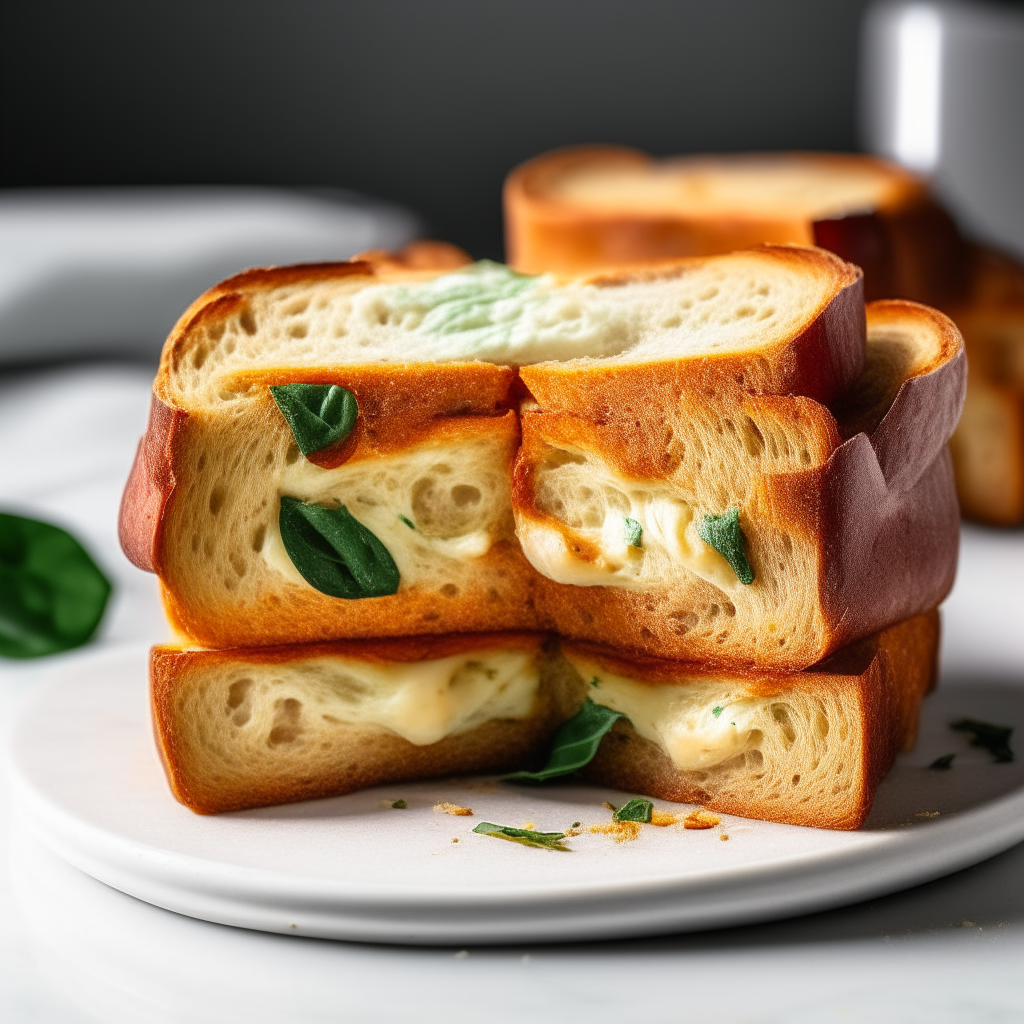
x: 725, y: 535
x: 634, y: 531
x: 408, y: 522
x: 576, y: 824
x: 941, y: 764
x: 636, y: 809
x: 52, y: 594
x: 595, y: 681
x: 319, y: 415
x: 525, y: 836
x: 400, y: 805
x: 334, y: 552
x: 576, y: 743
x: 716, y: 711
x: 993, y: 738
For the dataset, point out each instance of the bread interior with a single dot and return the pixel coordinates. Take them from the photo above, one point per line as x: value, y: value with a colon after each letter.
x: 488, y: 312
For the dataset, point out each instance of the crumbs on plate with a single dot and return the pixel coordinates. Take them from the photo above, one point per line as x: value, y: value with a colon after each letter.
x: 444, y: 807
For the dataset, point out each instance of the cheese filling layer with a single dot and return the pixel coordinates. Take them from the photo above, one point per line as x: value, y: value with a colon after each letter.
x: 698, y: 723
x: 429, y: 505
x: 423, y: 702
x: 589, y: 502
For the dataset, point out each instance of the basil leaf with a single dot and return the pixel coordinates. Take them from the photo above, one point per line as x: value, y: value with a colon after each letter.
x: 637, y: 809
x: 576, y: 743
x: 544, y: 840
x: 941, y: 764
x: 52, y: 594
x: 319, y: 414
x: 993, y: 738
x: 334, y: 552
x: 634, y: 531
x: 724, y: 534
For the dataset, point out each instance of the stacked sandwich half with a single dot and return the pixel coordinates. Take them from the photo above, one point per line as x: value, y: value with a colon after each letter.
x: 681, y: 529
x: 578, y: 210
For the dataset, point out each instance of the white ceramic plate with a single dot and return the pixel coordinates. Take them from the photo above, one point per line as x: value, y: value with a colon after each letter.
x: 87, y: 781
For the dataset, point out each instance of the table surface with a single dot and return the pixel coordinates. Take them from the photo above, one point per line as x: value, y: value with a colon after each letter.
x: 73, y: 950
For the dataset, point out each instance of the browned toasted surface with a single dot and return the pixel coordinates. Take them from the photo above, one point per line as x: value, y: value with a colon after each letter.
x: 879, y: 704
x: 988, y: 446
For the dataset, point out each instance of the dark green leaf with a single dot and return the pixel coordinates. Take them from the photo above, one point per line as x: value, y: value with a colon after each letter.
x: 52, y: 594
x: 576, y: 743
x: 993, y: 738
x: 334, y: 552
x: 941, y: 764
x: 545, y: 840
x: 637, y: 809
x: 319, y: 414
x: 724, y: 534
x: 634, y: 531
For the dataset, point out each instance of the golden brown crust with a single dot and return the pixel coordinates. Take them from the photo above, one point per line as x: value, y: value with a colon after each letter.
x: 821, y: 361
x: 886, y: 695
x: 908, y: 246
x: 150, y: 483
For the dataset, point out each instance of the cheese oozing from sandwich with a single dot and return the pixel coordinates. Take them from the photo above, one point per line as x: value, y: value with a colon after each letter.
x: 423, y: 702
x: 429, y: 505
x: 699, y: 723
x: 585, y: 501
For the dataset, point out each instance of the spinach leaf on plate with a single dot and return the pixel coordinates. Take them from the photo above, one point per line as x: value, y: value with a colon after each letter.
x: 52, y: 594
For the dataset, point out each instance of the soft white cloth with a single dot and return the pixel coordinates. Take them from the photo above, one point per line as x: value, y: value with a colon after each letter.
x: 109, y: 271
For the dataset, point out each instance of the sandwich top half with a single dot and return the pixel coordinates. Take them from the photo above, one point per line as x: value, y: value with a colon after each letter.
x: 720, y: 458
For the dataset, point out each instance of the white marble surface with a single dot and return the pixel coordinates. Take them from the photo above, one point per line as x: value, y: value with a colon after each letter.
x: 73, y: 950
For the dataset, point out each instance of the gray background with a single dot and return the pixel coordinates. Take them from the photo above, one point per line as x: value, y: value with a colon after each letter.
x: 426, y: 103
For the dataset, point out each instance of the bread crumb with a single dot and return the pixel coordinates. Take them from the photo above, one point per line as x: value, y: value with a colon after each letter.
x: 611, y: 807
x: 456, y: 839
x: 621, y: 831
x: 701, y: 819
x: 723, y: 837
x: 528, y: 825
x: 462, y: 954
x: 663, y: 818
x: 927, y: 814
x: 576, y: 824
x: 443, y: 807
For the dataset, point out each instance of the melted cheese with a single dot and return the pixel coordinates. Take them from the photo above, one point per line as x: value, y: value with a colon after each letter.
x: 456, y: 498
x: 681, y: 717
x: 594, y: 503
x: 423, y: 702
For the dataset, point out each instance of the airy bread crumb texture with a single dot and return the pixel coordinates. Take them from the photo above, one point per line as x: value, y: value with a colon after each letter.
x: 733, y: 304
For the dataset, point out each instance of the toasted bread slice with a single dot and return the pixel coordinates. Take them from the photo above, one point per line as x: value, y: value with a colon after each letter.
x: 807, y: 748
x: 426, y: 467
x: 578, y: 210
x: 988, y: 446
x: 849, y: 516
x: 248, y: 728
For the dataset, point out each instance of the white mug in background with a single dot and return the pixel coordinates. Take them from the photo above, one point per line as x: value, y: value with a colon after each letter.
x: 942, y: 92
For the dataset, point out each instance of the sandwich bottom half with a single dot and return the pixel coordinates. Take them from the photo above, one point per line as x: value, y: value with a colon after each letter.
x: 249, y: 728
